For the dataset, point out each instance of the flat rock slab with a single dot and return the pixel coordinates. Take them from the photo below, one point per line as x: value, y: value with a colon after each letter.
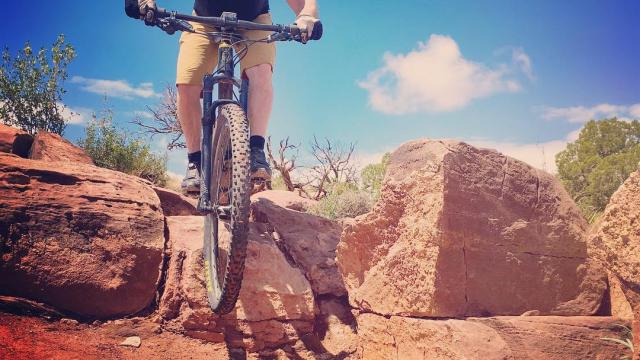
x: 87, y: 241
x: 499, y: 338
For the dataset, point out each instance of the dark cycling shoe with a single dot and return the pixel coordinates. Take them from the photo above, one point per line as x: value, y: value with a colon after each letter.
x: 260, y: 169
x: 191, y: 181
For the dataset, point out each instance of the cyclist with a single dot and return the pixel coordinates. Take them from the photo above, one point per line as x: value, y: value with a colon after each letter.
x: 197, y: 56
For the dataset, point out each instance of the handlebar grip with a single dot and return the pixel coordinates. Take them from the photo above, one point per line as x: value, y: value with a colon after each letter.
x: 317, y: 31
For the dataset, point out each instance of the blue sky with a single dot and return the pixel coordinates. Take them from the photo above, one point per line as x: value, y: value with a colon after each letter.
x: 519, y: 76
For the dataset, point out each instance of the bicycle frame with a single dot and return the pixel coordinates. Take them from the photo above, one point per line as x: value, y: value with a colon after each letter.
x: 223, y: 77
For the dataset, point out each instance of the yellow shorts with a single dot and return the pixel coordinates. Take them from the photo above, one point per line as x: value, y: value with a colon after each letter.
x: 198, y: 54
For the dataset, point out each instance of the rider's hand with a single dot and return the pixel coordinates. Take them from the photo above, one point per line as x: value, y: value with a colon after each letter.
x: 139, y: 9
x: 305, y: 23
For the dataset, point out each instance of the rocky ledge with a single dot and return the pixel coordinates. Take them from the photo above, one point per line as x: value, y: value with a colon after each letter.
x: 468, y: 254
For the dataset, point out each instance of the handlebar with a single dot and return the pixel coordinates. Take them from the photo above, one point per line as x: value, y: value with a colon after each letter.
x: 230, y: 22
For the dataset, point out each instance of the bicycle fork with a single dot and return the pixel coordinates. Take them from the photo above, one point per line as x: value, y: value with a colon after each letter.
x: 209, y: 110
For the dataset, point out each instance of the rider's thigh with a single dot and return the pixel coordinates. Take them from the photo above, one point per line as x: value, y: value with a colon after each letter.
x: 258, y: 53
x: 197, y: 57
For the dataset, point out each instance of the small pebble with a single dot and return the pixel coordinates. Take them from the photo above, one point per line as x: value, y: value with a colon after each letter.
x: 133, y: 341
x: 68, y: 322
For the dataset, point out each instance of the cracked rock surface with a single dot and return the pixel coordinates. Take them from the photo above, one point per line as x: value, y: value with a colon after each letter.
x: 461, y: 231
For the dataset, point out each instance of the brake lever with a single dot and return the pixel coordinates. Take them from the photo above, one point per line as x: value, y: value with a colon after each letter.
x: 279, y: 37
x: 171, y: 25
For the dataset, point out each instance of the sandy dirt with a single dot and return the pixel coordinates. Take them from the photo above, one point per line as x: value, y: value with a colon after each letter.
x: 36, y: 338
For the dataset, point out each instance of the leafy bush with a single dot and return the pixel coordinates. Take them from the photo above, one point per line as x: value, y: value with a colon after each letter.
x: 372, y: 176
x: 31, y: 87
x: 343, y: 200
x: 594, y: 166
x: 277, y: 183
x: 111, y: 148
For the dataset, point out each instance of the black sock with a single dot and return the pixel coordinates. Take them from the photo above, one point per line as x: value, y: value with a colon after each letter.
x: 256, y: 142
x: 195, y: 158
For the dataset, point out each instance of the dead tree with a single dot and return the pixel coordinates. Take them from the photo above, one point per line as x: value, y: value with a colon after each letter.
x: 163, y: 119
x: 285, y: 161
x: 334, y: 164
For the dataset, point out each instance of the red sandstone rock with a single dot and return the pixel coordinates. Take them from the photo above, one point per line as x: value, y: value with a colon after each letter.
x: 546, y: 337
x: 174, y: 204
x: 620, y: 307
x: 14, y: 141
x: 616, y: 242
x: 309, y: 240
x: 285, y: 199
x: 276, y: 305
x: 636, y: 338
x: 53, y: 147
x: 460, y: 231
x: 336, y: 326
x: 82, y: 239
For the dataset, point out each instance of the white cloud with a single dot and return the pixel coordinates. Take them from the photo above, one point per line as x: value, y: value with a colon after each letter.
x: 435, y: 77
x: 116, y: 88
x: 540, y: 155
x: 582, y: 114
x: 362, y: 159
x: 141, y: 114
x: 521, y: 59
x: 75, y: 115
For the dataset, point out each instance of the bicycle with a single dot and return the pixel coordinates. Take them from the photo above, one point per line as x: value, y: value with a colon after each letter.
x: 225, y: 147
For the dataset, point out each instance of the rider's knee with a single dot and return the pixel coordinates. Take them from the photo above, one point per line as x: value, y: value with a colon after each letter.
x: 189, y: 92
x: 259, y: 73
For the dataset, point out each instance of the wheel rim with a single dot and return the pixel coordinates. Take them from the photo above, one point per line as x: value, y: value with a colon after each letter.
x: 220, y: 245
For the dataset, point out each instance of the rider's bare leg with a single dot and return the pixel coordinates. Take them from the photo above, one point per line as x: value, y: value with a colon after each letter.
x: 260, y: 98
x: 189, y: 115
x: 259, y: 109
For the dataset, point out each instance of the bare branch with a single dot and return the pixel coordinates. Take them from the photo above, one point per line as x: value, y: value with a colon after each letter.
x: 163, y: 119
x: 334, y: 165
x: 285, y: 163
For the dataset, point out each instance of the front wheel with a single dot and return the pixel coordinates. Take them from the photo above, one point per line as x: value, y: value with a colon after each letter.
x: 230, y: 188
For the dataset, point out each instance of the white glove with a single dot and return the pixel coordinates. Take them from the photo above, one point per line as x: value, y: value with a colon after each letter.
x: 305, y: 23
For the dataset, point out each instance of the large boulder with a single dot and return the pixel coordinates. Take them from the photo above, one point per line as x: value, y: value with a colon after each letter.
x: 461, y: 231
x: 553, y: 338
x: 53, y: 147
x: 309, y: 241
x: 616, y: 242
x: 85, y: 240
x: 14, y: 141
x: 276, y: 304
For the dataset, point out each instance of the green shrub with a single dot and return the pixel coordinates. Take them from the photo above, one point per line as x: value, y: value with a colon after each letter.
x: 598, y: 162
x: 31, y: 87
x: 277, y: 183
x: 111, y: 148
x: 372, y: 176
x: 343, y: 200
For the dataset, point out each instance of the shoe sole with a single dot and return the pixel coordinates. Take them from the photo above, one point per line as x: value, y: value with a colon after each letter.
x: 261, y: 174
